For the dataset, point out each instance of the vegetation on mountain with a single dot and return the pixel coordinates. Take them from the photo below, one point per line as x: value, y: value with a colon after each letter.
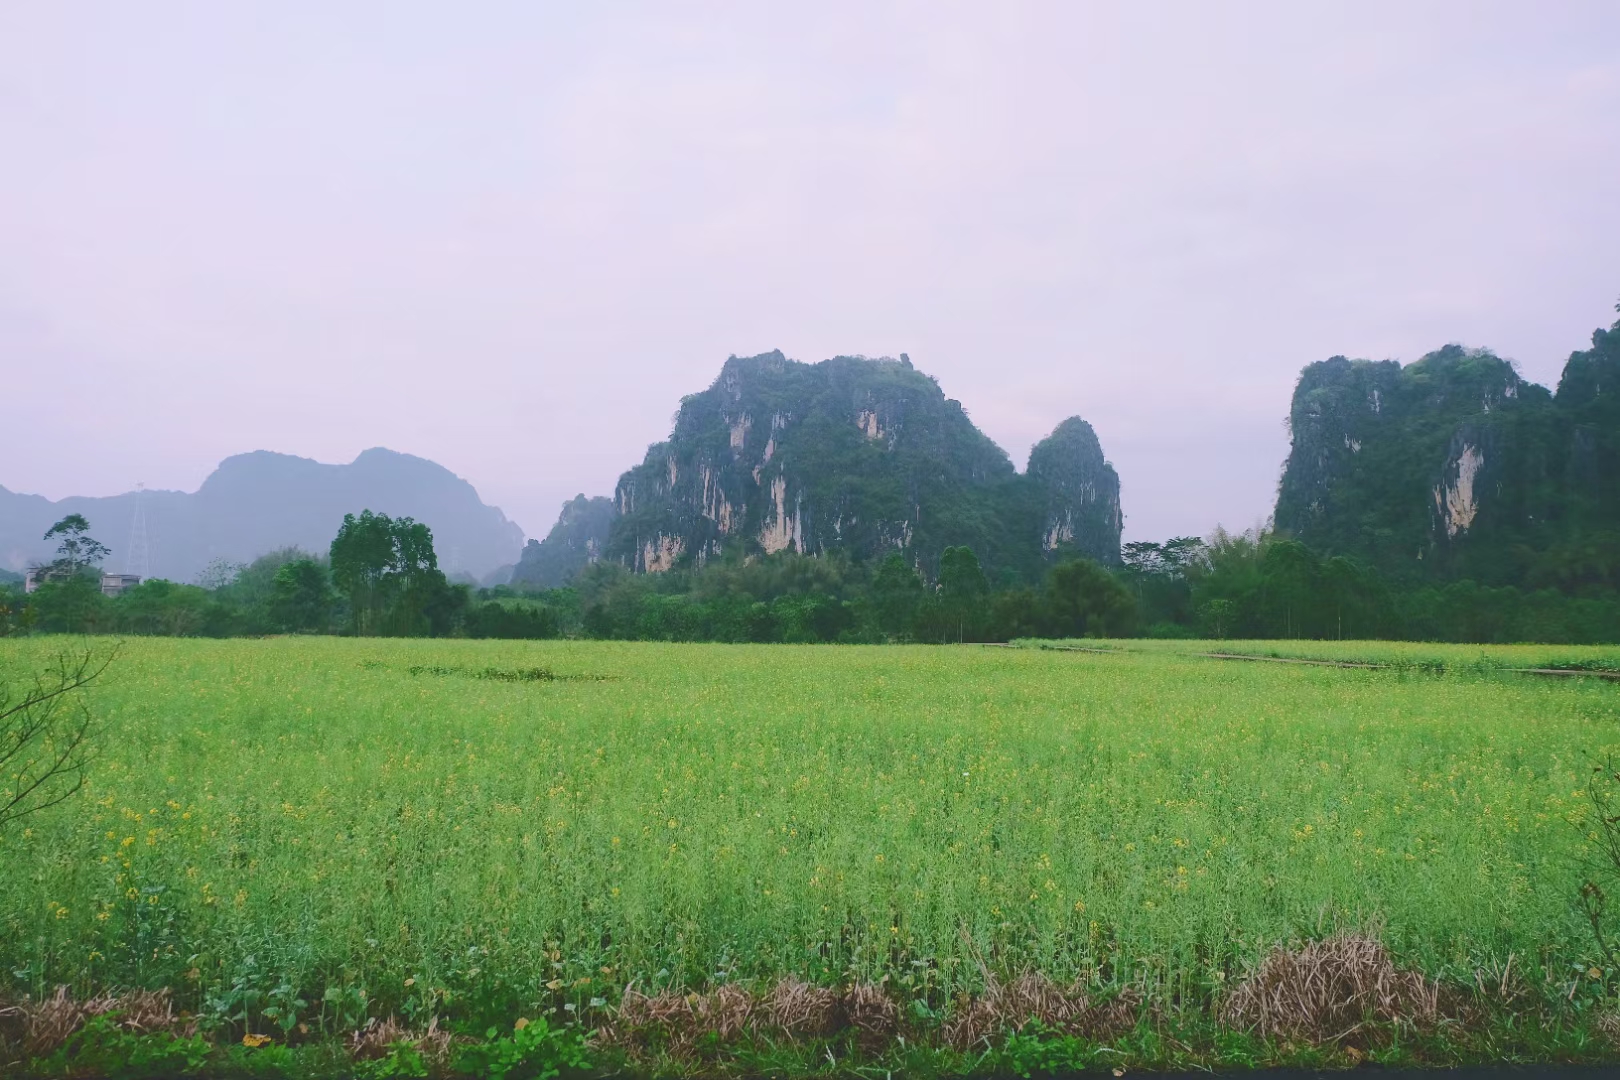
x: 1454, y: 468
x: 857, y: 456
x: 577, y: 539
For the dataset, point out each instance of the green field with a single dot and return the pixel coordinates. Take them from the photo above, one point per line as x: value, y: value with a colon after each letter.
x: 426, y: 822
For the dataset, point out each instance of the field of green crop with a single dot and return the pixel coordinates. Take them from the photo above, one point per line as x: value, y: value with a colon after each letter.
x: 427, y: 824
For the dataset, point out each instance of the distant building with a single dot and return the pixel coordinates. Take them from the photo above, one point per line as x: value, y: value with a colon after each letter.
x: 111, y: 584
x: 118, y: 584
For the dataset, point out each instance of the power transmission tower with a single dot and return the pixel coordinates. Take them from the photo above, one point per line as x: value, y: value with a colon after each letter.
x: 138, y: 552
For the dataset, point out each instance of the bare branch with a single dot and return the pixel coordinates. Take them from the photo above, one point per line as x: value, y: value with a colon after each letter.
x: 45, y: 745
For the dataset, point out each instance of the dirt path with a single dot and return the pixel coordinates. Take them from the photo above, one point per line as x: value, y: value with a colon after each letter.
x: 1614, y: 675
x: 1288, y: 660
x: 1386, y: 667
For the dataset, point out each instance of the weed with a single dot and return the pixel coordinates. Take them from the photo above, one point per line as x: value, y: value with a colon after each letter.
x: 533, y: 1051
x: 103, y: 1047
x: 533, y: 674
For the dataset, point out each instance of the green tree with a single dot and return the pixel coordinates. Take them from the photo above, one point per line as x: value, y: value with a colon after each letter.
x: 388, y: 570
x: 71, y: 604
x: 897, y: 592
x: 165, y: 608
x: 76, y: 551
x: 220, y: 574
x: 363, y: 558
x: 1219, y: 615
x: 16, y: 614
x: 1290, y: 592
x: 247, y: 592
x: 1160, y: 576
x: 962, y: 592
x: 1084, y: 599
x: 69, y: 600
x: 301, y: 596
x: 512, y: 619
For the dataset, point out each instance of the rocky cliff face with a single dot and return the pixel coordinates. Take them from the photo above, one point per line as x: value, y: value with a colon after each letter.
x: 855, y: 455
x: 578, y: 539
x: 1453, y: 465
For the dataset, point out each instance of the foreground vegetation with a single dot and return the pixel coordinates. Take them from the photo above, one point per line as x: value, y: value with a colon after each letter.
x: 297, y: 837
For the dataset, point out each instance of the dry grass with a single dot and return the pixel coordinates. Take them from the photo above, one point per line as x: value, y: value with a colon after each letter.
x: 379, y: 1037
x: 726, y: 1013
x: 1326, y: 990
x: 1608, y: 1025
x: 1005, y: 1007
x: 45, y: 1025
x: 872, y: 1013
x: 798, y: 1008
x: 791, y: 1007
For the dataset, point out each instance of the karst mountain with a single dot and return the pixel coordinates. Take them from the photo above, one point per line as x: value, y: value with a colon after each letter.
x: 849, y: 455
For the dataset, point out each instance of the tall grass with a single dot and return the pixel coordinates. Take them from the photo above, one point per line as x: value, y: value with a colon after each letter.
x: 381, y: 826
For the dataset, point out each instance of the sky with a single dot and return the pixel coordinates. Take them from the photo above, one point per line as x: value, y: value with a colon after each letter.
x: 510, y: 236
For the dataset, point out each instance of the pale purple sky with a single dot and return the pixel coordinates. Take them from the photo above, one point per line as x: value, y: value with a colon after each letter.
x: 509, y: 237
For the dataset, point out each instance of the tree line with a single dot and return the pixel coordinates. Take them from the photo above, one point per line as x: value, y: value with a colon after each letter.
x: 380, y: 577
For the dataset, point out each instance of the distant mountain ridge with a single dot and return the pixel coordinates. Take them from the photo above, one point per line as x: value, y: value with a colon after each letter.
x: 1454, y: 466
x: 260, y: 501
x: 849, y: 454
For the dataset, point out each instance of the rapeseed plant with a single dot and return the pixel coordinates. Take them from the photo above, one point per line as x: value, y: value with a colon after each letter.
x: 273, y: 820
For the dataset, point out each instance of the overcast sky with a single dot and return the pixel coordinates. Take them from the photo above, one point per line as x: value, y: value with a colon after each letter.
x: 509, y: 237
